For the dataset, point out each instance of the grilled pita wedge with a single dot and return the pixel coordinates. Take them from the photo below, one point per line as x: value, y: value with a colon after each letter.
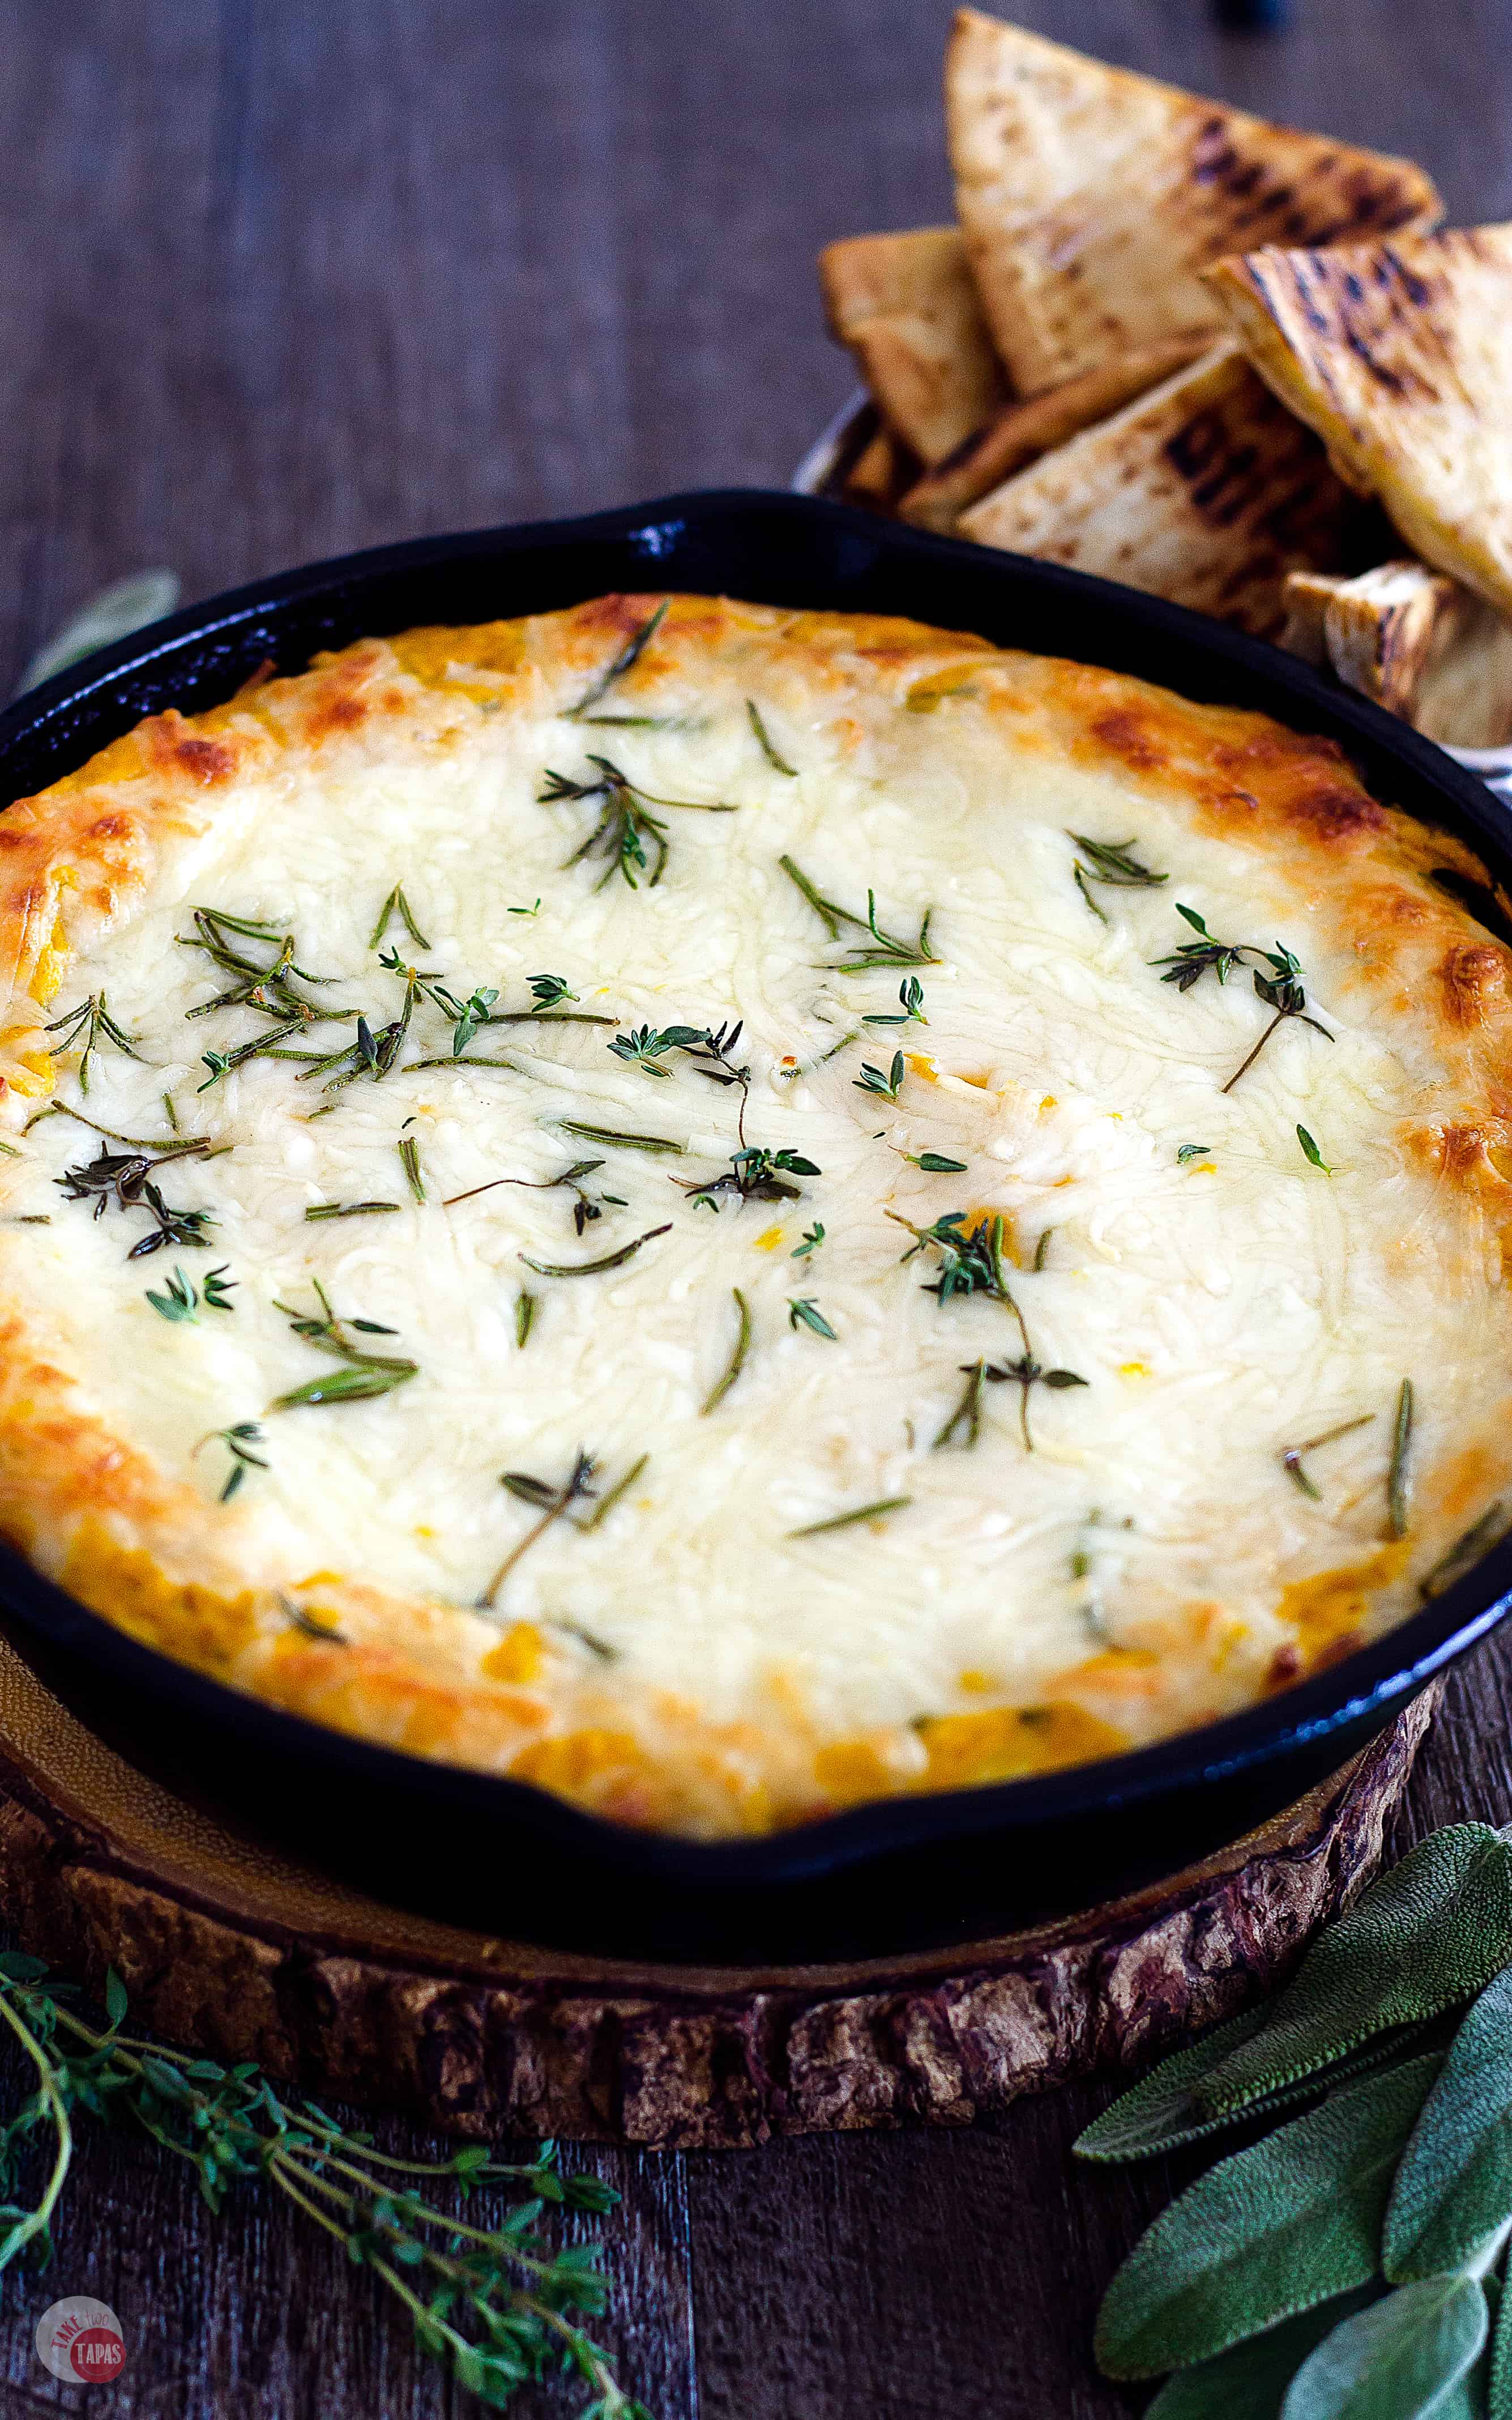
x: 1020, y: 432
x: 1089, y: 198
x: 880, y: 474
x: 1417, y: 642
x: 906, y: 307
x: 1204, y: 490
x: 1399, y: 354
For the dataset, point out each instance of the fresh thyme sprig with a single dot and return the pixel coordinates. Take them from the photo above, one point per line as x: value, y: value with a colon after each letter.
x: 239, y: 1441
x: 269, y: 990
x: 92, y: 1020
x: 585, y: 1209
x: 763, y: 738
x: 812, y: 1237
x: 644, y: 1045
x: 1111, y: 861
x: 911, y: 1002
x: 881, y: 949
x: 125, y: 1179
x: 553, y: 1502
x: 549, y: 991
x: 756, y: 1174
x: 626, y: 833
x: 1191, y: 960
x: 628, y: 657
x: 887, y: 1087
x: 363, y: 1374
x: 495, y: 2307
x: 1282, y: 990
x: 181, y: 1302
x: 972, y: 1261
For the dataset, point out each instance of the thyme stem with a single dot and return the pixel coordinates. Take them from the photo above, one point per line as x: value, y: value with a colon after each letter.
x: 737, y: 1359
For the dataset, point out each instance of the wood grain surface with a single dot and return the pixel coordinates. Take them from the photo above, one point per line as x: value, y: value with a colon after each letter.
x: 281, y: 277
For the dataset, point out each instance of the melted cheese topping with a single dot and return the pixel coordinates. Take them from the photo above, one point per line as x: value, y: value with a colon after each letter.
x: 1148, y: 1562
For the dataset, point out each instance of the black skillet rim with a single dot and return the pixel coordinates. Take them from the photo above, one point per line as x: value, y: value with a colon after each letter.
x: 53, y: 727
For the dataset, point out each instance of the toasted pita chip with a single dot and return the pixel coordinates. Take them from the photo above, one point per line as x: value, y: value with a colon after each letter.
x: 880, y: 474
x: 1020, y: 432
x: 1205, y: 490
x: 906, y: 307
x: 1399, y: 354
x: 1089, y: 198
x: 1417, y: 642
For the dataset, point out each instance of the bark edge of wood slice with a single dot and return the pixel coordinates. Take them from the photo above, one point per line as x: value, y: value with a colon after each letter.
x: 230, y: 1947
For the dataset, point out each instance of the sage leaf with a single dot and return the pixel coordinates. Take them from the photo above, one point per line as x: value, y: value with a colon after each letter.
x: 1427, y: 1935
x: 114, y: 613
x: 1395, y: 2360
x: 1249, y: 2380
x: 1268, y: 2232
x: 1453, y: 2194
x: 1165, y: 2110
x: 1499, y: 2385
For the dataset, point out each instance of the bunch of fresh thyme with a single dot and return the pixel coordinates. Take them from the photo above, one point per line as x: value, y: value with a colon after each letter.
x: 496, y: 2306
x: 1350, y: 2264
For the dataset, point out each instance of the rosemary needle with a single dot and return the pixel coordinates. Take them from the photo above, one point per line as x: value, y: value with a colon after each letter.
x: 629, y: 654
x: 349, y: 1210
x: 764, y: 737
x: 737, y: 1358
x: 595, y: 1269
x: 846, y: 1520
x: 1396, y: 1476
x: 606, y: 1502
x: 616, y: 1134
x: 524, y: 1318
x: 409, y: 1154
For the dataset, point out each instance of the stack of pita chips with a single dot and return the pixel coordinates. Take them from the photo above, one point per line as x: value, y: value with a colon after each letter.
x: 1208, y: 356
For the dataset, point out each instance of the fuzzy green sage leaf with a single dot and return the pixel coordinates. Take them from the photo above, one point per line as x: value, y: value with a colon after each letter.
x: 1291, y: 2221
x: 1452, y: 2201
x: 1396, y: 2359
x: 1248, y: 2382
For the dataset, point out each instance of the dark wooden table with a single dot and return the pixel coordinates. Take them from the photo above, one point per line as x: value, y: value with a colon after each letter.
x: 291, y: 276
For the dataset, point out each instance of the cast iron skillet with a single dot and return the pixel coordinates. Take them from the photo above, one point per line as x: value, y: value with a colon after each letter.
x: 905, y: 1873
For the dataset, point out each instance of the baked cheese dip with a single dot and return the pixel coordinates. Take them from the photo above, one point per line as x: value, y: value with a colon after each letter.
x: 734, y: 1211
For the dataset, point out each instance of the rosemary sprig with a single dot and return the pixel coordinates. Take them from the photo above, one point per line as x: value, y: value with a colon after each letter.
x: 125, y: 1179
x: 911, y: 1001
x: 618, y: 1136
x: 595, y: 1269
x: 495, y: 2307
x: 396, y: 905
x: 239, y: 1441
x: 1291, y: 1462
x: 628, y: 657
x: 632, y: 839
x: 887, y: 1087
x: 807, y: 1313
x: 164, y: 1146
x: 763, y: 738
x: 524, y: 1319
x: 882, y: 949
x: 968, y: 1413
x: 847, y: 1520
x: 92, y: 1020
x: 1401, y: 1437
x: 181, y: 1302
x: 737, y: 1359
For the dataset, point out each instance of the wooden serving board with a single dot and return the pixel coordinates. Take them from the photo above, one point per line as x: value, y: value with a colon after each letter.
x: 228, y: 1945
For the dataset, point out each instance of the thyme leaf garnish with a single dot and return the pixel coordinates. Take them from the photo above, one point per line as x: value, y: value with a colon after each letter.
x: 626, y: 833
x: 595, y: 1269
x: 887, y: 1087
x: 181, y: 1302
x: 124, y: 1178
x: 617, y: 1135
x: 807, y: 1313
x: 757, y: 1174
x: 737, y: 1359
x: 812, y: 1237
x: 547, y: 991
x: 1113, y: 862
x: 585, y: 1209
x: 644, y: 1045
x: 1311, y: 1153
x: 629, y: 656
x: 239, y: 1441
x: 550, y: 1501
x: 968, y: 1413
x: 763, y: 738
x: 363, y: 1373
x: 396, y: 905
x: 911, y: 1000
x: 317, y: 1211
x: 92, y: 1020
x: 1027, y: 1372
x: 1189, y: 1151
x: 971, y: 1258
x: 934, y: 1163
x: 847, y: 1520
x: 1291, y: 1460
x: 882, y: 949
x: 1191, y: 960
x: 1401, y: 1437
x: 1281, y: 990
